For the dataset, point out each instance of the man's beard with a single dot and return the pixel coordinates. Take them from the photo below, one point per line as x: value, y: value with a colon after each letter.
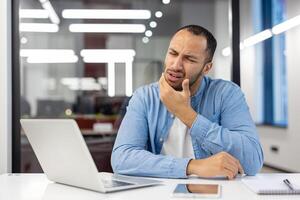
x: 192, y: 80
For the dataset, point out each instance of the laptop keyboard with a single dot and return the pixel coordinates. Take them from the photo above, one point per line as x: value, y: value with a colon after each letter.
x: 114, y: 183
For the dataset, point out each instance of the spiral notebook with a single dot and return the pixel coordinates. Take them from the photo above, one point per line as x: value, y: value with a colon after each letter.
x: 273, y: 183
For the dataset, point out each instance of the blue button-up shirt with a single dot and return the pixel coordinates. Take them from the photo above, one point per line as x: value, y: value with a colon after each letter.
x: 223, y: 123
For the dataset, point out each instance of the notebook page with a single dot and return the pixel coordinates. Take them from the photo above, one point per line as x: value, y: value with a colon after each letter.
x: 272, y: 183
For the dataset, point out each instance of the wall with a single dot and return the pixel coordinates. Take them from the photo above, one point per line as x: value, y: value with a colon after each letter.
x: 222, y: 65
x: 285, y: 139
x: 5, y: 87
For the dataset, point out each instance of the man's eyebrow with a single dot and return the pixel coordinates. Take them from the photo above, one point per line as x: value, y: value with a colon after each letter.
x: 191, y: 56
x: 172, y: 49
x: 187, y: 55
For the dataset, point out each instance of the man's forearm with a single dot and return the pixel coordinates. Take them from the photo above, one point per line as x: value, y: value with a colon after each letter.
x: 242, y: 144
x: 187, y: 116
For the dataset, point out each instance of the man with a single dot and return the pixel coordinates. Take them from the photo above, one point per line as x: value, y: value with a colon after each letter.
x: 188, y: 123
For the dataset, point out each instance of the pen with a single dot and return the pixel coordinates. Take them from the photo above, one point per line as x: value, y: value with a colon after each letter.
x: 288, y: 183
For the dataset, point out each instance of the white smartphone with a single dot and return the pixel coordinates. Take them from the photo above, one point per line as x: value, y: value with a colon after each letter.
x: 197, y: 190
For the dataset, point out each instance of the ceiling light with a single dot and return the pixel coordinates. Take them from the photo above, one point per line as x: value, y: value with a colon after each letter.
x: 286, y: 25
x: 158, y: 14
x: 112, y: 56
x: 24, y: 40
x: 148, y: 33
x: 226, y: 51
x: 128, y: 78
x: 52, y: 14
x: 145, y: 40
x: 46, y: 52
x: 85, y: 83
x: 107, y: 55
x: 153, y: 24
x: 111, y: 79
x: 38, y: 27
x: 33, y: 13
x: 259, y: 37
x: 277, y: 29
x: 166, y: 1
x: 108, y: 28
x: 51, y: 59
x: 105, y: 14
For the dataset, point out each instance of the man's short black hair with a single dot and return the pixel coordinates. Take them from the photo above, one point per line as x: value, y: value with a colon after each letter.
x: 210, y: 39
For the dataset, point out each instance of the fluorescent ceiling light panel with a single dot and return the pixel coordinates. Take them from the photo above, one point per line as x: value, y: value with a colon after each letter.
x: 75, y: 80
x: 105, y: 14
x: 286, y: 25
x: 81, y: 83
x: 226, y: 51
x: 108, y: 52
x: 59, y: 59
x: 128, y: 79
x: 52, y: 14
x: 46, y: 52
x: 107, y: 28
x: 33, y: 13
x: 38, y: 27
x: 111, y: 79
x: 112, y: 56
x: 107, y: 55
x: 279, y: 28
x: 103, y: 59
x: 259, y: 37
x: 85, y: 87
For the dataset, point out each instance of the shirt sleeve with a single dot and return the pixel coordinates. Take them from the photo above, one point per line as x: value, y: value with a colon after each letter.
x: 235, y: 134
x: 130, y: 155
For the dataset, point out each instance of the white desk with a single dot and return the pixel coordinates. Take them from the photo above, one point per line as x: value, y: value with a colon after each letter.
x: 38, y: 187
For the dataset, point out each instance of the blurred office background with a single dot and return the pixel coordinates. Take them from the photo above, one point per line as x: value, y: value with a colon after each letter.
x: 83, y: 59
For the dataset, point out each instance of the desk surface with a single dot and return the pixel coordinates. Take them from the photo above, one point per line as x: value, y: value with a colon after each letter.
x: 38, y: 187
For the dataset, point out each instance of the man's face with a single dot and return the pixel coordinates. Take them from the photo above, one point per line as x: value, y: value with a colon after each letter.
x: 185, y: 59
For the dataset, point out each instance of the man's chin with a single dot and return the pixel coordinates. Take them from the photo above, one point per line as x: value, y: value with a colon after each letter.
x: 176, y: 86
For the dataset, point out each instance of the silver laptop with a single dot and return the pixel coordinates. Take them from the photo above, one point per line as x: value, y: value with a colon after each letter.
x: 65, y: 158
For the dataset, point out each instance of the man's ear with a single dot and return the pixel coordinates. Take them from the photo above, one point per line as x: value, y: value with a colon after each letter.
x: 207, y: 68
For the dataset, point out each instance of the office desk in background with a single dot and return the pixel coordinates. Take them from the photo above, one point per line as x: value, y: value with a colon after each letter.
x: 38, y: 187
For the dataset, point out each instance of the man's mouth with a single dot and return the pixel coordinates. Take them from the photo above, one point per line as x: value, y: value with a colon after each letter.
x: 174, y: 76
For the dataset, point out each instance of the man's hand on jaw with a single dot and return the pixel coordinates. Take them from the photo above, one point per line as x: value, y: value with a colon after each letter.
x: 220, y: 164
x: 178, y: 102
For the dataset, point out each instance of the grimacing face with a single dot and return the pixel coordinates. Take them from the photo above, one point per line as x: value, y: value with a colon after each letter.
x: 186, y: 59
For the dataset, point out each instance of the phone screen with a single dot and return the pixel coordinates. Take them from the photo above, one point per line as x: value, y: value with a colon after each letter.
x: 197, y: 189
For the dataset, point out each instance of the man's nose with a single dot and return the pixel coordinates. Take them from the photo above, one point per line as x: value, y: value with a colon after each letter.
x: 177, y: 65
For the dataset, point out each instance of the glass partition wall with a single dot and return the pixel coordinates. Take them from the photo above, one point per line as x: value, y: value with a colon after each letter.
x: 83, y: 59
x: 265, y: 32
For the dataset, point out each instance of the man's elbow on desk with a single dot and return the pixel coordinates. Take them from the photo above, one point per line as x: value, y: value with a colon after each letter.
x: 253, y: 165
x: 115, y: 162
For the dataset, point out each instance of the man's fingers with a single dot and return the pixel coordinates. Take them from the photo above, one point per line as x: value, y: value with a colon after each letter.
x: 161, y: 80
x: 231, y: 167
x: 186, y: 87
x: 237, y: 162
x: 229, y: 174
x: 162, y: 83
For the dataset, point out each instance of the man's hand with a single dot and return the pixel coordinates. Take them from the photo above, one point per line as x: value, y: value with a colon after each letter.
x: 220, y: 164
x: 177, y: 102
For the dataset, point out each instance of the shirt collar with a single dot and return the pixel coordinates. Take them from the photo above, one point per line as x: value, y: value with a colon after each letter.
x: 200, y: 90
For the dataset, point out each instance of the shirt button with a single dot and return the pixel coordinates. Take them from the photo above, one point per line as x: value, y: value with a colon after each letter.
x: 161, y: 139
x: 172, y: 116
